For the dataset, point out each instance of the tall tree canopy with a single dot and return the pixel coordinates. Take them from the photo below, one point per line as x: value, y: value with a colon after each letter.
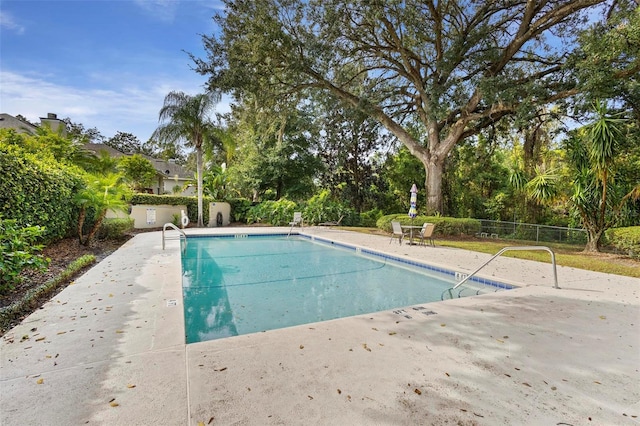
x: 433, y: 73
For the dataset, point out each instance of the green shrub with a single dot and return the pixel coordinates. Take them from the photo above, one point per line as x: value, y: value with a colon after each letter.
x: 115, y: 228
x: 626, y: 240
x: 370, y: 218
x: 276, y: 213
x: 239, y: 209
x: 18, y: 251
x: 443, y: 225
x: 322, y: 208
x: 36, y: 189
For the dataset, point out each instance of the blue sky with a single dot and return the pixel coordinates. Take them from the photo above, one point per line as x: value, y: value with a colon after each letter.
x: 104, y: 63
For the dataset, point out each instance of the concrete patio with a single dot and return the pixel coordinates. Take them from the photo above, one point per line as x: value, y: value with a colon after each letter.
x: 109, y: 349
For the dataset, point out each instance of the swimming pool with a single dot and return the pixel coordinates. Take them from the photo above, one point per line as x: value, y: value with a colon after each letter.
x: 234, y: 286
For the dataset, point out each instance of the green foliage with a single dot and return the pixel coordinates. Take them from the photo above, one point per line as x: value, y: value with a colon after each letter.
x: 275, y: 152
x: 600, y: 191
x: 370, y: 218
x: 35, y: 188
x: 432, y: 75
x: 115, y: 228
x: 276, y: 213
x: 476, y: 175
x: 100, y: 194
x: 606, y: 60
x: 444, y: 225
x: 175, y: 200
x: 18, y: 251
x: 322, y: 208
x: 239, y: 209
x: 216, y: 183
x: 626, y: 240
x: 138, y: 172
x: 400, y: 171
x: 186, y: 118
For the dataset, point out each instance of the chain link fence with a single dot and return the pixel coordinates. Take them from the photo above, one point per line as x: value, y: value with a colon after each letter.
x: 531, y: 232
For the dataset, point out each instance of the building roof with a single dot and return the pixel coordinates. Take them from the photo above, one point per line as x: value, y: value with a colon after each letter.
x: 10, y: 122
x: 167, y: 169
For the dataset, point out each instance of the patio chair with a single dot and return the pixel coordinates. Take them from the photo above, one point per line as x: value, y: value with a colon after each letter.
x: 297, y: 221
x: 397, y: 232
x: 427, y: 233
x: 332, y: 223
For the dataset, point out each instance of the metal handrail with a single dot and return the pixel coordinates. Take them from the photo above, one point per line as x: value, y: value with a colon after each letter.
x: 553, y: 262
x: 171, y: 225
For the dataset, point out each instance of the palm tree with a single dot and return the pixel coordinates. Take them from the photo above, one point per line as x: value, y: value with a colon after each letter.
x: 186, y: 118
x: 599, y: 193
x: 101, y: 193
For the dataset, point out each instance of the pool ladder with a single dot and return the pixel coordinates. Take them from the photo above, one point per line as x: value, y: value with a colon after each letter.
x: 181, y: 236
x: 519, y: 248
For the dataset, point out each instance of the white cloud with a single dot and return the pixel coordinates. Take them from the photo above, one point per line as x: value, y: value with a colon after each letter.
x: 7, y: 21
x: 162, y: 10
x: 129, y: 107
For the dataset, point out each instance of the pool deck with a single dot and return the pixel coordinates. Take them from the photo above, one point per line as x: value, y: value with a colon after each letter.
x: 109, y: 349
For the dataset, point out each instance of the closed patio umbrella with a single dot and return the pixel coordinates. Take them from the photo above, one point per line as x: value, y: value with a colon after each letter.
x: 413, y: 212
x: 414, y: 200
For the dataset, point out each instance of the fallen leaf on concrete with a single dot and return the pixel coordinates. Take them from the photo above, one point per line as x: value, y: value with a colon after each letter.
x: 597, y: 382
x: 200, y: 423
x: 40, y: 381
x: 391, y: 333
x: 301, y: 346
x: 130, y: 386
x: 114, y: 404
x: 443, y: 325
x: 603, y: 317
x: 526, y: 384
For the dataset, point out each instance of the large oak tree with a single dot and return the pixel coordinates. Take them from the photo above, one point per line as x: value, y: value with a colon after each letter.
x: 432, y: 72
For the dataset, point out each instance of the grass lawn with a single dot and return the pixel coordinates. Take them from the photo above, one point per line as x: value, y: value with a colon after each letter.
x: 566, y: 254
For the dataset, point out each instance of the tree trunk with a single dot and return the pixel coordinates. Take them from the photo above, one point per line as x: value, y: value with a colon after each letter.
x: 81, y: 216
x: 200, y: 184
x: 433, y: 185
x: 593, y: 242
x: 95, y: 228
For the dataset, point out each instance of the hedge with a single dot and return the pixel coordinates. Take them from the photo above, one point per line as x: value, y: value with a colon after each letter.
x: 443, y: 225
x: 626, y: 240
x: 115, y: 228
x: 36, y: 190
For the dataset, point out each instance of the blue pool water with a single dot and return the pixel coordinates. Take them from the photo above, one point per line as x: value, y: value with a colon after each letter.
x: 235, y: 286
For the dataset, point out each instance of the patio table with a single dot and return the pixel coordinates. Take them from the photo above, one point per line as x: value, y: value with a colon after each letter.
x: 411, y: 228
